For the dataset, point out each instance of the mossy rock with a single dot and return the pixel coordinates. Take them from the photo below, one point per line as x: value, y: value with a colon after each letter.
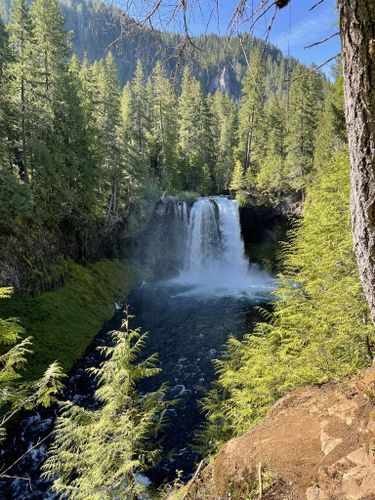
x: 64, y: 321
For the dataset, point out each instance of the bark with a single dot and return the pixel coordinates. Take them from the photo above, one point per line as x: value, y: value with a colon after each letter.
x: 357, y: 27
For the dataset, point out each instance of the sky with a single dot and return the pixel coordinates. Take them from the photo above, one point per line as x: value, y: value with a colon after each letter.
x: 293, y: 29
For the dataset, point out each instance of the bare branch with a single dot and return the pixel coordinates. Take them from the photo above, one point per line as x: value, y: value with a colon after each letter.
x: 314, y: 70
x: 316, y: 5
x: 322, y: 41
x: 36, y: 445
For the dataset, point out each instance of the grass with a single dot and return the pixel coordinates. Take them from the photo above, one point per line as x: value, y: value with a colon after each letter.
x: 63, y: 322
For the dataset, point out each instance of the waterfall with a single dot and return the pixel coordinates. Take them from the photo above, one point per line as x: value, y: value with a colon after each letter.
x: 213, y: 253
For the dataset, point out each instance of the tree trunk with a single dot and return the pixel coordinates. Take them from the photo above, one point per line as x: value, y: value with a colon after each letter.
x: 357, y: 26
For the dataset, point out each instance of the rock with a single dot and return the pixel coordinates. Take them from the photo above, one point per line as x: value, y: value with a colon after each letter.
x: 317, y: 441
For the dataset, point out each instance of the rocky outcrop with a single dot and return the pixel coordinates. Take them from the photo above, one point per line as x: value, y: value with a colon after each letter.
x: 318, y: 443
x: 33, y: 256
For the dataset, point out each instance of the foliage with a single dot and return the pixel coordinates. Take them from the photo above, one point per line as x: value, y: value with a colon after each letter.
x: 118, y: 432
x: 75, y: 148
x: 320, y: 329
x: 63, y: 322
x: 15, y: 394
x: 242, y: 199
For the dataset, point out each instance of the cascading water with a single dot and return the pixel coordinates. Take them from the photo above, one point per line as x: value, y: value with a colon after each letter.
x: 189, y: 319
x: 214, y: 259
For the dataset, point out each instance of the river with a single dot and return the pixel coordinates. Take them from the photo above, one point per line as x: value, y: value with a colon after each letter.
x: 189, y: 317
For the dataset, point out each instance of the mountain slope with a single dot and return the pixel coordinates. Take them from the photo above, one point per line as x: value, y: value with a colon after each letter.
x: 97, y: 28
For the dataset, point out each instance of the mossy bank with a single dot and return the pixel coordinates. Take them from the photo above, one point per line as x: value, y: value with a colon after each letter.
x: 63, y: 322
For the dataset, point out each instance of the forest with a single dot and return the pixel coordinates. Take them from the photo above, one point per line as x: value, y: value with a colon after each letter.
x: 108, y: 167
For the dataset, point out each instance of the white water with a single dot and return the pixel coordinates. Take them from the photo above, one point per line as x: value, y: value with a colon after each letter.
x: 214, y: 260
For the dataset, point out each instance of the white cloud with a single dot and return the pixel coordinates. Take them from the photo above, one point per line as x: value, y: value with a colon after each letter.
x: 310, y: 30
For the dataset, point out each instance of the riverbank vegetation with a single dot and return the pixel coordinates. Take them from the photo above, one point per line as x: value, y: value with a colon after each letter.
x: 321, y: 328
x: 122, y: 430
x: 63, y: 322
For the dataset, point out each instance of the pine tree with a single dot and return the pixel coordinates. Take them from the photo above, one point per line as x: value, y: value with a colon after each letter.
x: 118, y: 432
x: 164, y: 129
x: 20, y: 71
x: 225, y: 130
x: 251, y: 130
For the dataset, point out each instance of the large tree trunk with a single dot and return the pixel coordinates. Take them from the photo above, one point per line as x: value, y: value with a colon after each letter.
x: 357, y: 26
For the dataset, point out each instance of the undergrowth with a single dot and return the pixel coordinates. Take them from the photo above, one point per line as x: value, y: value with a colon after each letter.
x: 63, y: 322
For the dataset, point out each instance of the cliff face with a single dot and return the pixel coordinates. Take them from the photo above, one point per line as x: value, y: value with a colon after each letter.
x: 32, y: 256
x: 318, y: 443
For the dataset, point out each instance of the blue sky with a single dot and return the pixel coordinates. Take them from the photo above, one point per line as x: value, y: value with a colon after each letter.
x: 294, y: 28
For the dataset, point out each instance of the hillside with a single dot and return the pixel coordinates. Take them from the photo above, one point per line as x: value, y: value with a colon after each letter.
x: 219, y: 65
x: 316, y: 443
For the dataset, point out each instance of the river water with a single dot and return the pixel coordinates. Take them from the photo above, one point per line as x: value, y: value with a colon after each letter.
x: 189, y: 318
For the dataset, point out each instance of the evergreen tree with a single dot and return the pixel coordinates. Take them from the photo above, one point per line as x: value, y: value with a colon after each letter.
x: 118, y: 432
x: 14, y: 195
x: 164, y: 129
x: 238, y: 177
x: 108, y: 120
x: 331, y: 131
x: 224, y: 128
x: 53, y: 171
x: 20, y: 75
x: 271, y: 177
x: 136, y: 124
x: 304, y: 105
x: 196, y: 136
x: 5, y: 58
x: 82, y: 156
x: 251, y: 128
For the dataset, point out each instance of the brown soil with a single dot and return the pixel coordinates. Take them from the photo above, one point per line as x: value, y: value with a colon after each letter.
x: 316, y: 444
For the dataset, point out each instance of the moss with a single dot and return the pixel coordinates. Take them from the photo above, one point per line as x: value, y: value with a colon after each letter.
x: 63, y: 322
x: 265, y: 254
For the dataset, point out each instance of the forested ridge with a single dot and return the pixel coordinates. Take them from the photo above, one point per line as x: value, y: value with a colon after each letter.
x: 85, y: 146
x: 77, y: 148
x: 98, y: 26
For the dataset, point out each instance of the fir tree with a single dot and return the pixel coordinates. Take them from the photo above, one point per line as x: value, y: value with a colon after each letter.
x: 118, y: 432
x: 238, y: 177
x: 224, y: 128
x: 304, y: 105
x: 108, y: 120
x: 271, y: 177
x: 164, y: 129
x: 196, y: 136
x: 20, y: 75
x: 250, y: 118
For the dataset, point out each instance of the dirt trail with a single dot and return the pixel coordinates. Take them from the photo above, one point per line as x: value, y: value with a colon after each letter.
x: 318, y: 443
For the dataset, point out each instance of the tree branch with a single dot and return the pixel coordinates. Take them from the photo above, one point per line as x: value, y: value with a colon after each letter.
x: 322, y: 41
x: 316, y: 5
